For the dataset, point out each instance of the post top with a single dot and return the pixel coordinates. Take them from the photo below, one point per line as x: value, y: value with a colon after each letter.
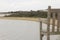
x: 49, y: 7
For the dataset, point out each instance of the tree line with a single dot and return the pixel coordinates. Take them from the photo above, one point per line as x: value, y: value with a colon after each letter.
x: 28, y: 14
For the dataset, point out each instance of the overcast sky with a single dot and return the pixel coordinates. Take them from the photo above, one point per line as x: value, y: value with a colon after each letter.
x: 13, y: 5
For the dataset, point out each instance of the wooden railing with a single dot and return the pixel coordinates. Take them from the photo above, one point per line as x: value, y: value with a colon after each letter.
x: 53, y: 32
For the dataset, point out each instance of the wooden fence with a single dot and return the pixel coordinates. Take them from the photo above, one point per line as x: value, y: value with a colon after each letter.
x: 53, y: 32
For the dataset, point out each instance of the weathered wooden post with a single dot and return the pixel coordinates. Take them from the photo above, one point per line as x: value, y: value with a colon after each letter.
x: 58, y: 23
x: 53, y: 24
x: 48, y: 23
x: 40, y: 30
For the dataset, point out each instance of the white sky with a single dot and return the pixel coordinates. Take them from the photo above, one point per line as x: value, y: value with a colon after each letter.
x: 13, y: 5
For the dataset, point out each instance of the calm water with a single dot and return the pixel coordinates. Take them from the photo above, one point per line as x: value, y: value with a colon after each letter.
x: 21, y: 30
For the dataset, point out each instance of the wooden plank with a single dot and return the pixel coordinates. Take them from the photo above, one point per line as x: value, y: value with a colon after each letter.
x: 51, y: 33
x: 48, y: 23
x: 53, y: 24
x: 58, y: 22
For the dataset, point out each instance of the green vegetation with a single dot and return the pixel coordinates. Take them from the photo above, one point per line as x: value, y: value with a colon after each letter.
x: 31, y: 13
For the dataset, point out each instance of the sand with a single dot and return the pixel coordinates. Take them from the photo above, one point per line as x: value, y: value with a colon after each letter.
x: 44, y: 20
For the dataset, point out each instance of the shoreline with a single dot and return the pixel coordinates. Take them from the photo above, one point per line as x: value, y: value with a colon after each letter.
x: 20, y: 18
x: 44, y: 20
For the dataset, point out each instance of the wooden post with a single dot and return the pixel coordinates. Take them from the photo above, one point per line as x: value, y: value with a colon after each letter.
x: 58, y: 23
x: 53, y: 24
x: 40, y: 30
x: 48, y: 23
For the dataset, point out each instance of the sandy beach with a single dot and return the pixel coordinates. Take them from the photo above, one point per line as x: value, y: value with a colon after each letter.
x: 44, y: 20
x: 20, y: 18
